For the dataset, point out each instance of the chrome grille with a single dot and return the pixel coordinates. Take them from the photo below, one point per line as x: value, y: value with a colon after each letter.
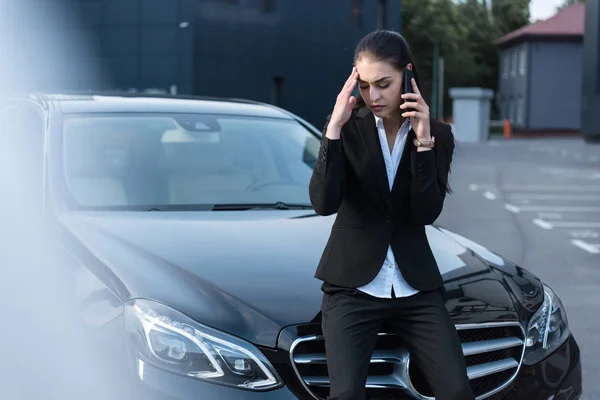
x: 493, y: 354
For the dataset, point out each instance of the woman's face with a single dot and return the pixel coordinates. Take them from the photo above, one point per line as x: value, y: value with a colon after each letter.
x: 380, y: 86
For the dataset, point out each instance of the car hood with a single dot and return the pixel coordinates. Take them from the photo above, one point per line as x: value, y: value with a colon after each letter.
x: 251, y: 273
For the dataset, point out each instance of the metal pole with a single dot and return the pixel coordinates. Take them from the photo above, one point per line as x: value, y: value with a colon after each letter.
x: 434, y: 83
x: 590, y: 96
x: 440, y: 109
x: 381, y: 14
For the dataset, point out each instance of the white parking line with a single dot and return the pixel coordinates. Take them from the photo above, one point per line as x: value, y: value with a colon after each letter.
x: 542, y: 224
x: 564, y: 224
x: 570, y: 197
x: 571, y: 173
x: 546, y: 216
x: 589, y: 247
x: 585, y: 234
x: 141, y: 369
x: 552, y: 188
x: 541, y: 188
x: 489, y: 195
x: 516, y: 209
x: 512, y: 208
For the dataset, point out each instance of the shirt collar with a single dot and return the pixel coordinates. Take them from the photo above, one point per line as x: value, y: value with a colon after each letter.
x: 379, y: 123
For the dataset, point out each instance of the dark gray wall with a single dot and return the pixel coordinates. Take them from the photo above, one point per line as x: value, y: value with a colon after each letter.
x: 590, y: 117
x: 146, y: 44
x: 60, y: 45
x: 555, y: 85
x: 513, y: 85
x: 297, y: 54
x: 293, y: 53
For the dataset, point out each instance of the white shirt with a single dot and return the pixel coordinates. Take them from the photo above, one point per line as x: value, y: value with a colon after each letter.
x: 389, y: 275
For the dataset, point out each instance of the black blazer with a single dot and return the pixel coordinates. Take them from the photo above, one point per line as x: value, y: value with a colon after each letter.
x: 350, y: 178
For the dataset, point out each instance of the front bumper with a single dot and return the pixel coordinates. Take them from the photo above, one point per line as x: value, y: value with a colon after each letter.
x: 160, y: 385
x: 559, y: 375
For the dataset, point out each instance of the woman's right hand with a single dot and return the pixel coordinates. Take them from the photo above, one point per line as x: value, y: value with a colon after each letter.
x: 343, y: 107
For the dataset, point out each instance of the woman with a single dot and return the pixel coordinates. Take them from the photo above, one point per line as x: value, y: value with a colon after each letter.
x: 384, y: 171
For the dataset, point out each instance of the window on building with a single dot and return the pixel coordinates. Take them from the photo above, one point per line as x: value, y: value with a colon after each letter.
x: 522, y: 61
x: 511, y: 110
x: 513, y: 70
x: 520, y: 110
x: 505, y: 64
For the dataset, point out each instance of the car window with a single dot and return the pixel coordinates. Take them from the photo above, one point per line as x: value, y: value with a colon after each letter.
x: 185, y: 159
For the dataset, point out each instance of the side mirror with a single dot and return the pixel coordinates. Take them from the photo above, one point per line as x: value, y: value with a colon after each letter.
x: 311, y: 151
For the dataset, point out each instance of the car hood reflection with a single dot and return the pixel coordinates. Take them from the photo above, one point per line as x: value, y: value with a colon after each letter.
x: 250, y: 273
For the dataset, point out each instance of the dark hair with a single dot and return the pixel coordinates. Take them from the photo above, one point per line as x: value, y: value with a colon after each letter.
x: 387, y: 46
x: 391, y: 47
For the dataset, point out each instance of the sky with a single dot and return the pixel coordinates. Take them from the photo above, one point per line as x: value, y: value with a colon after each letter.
x: 543, y: 9
x: 540, y: 9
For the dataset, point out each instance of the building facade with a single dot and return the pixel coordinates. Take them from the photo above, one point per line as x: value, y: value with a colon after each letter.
x: 540, y: 87
x: 291, y: 53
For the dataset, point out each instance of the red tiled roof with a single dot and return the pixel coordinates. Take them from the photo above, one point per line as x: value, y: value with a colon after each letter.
x: 568, y: 22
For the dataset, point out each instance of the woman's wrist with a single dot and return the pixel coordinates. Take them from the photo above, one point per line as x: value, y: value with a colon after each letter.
x: 333, y: 132
x: 425, y: 138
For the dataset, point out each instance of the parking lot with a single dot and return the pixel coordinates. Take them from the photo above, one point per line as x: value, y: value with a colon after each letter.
x: 537, y: 202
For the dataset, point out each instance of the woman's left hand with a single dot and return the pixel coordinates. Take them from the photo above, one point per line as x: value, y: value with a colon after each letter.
x: 419, y: 117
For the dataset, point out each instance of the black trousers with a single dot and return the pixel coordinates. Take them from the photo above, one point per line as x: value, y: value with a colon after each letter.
x: 351, y: 320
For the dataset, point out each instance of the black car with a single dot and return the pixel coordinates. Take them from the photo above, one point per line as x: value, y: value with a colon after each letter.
x: 185, y: 231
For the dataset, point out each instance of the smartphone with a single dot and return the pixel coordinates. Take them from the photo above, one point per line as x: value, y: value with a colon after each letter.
x: 408, y: 76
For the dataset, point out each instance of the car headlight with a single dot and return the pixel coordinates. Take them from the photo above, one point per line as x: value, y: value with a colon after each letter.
x: 548, y: 329
x: 172, y: 341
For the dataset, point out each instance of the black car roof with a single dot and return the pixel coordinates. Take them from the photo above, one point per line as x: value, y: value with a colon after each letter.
x: 145, y: 102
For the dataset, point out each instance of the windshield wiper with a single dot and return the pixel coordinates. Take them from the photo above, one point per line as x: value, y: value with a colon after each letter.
x: 261, y: 206
x: 178, y: 207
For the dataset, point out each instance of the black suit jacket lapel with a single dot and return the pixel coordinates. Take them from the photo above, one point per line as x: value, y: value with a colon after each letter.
x: 402, y: 180
x: 368, y: 134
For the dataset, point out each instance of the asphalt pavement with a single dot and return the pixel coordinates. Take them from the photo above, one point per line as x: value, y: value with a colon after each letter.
x: 537, y: 202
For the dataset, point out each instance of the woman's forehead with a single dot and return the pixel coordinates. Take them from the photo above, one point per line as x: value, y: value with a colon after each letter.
x: 373, y: 71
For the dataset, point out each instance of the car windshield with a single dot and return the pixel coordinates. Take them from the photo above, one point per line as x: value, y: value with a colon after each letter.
x: 162, y: 161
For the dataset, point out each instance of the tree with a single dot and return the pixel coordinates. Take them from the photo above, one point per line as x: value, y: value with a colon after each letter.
x: 568, y: 3
x: 510, y: 15
x: 428, y: 21
x: 466, y: 32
